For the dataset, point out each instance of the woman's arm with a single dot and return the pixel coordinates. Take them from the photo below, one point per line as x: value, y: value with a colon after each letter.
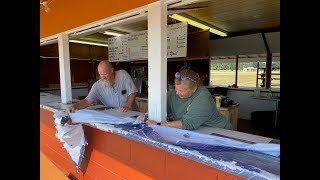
x: 174, y: 124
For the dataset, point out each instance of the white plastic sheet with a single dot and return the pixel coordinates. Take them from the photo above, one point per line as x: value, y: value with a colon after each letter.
x: 73, y: 139
x: 107, y: 116
x: 184, y: 137
x: 72, y: 136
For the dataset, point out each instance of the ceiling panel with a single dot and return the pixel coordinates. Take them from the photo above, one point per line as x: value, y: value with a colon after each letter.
x: 237, y: 17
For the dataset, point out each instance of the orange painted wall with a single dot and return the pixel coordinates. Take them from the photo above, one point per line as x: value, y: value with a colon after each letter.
x: 67, y: 14
x: 109, y: 156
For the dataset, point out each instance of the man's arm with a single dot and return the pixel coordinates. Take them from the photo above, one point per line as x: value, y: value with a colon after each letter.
x: 79, y: 105
x: 131, y: 89
x: 131, y: 100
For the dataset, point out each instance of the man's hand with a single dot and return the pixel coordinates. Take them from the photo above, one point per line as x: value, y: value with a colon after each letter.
x: 70, y: 109
x: 124, y: 108
x: 82, y: 104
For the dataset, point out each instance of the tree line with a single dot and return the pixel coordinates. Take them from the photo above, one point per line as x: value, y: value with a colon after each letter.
x: 232, y: 66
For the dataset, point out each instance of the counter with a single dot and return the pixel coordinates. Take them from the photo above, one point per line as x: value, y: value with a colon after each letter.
x: 113, y: 152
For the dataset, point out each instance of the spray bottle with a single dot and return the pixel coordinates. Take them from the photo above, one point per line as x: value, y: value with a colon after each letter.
x: 269, y: 93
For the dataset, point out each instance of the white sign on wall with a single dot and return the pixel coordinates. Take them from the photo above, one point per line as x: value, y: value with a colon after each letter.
x: 117, y: 48
x: 135, y: 46
x: 177, y: 40
x: 138, y: 45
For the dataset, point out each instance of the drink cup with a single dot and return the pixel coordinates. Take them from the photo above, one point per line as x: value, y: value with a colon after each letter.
x: 218, y: 101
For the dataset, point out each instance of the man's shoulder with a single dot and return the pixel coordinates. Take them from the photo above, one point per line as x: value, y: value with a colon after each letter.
x: 96, y: 84
x: 122, y: 72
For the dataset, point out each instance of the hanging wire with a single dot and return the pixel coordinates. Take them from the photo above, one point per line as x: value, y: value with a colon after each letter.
x: 185, y: 66
x: 52, y: 57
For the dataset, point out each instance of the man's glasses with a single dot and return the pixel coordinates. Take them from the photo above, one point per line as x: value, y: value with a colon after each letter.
x: 179, y: 76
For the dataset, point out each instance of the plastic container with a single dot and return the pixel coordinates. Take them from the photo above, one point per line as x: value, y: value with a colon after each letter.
x: 218, y: 101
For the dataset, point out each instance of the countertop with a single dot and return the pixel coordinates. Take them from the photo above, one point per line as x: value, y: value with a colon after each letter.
x: 58, y: 88
x: 246, y: 164
x: 229, y: 107
x: 273, y: 98
x: 143, y: 96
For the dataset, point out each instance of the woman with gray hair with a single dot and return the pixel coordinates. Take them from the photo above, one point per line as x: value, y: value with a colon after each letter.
x: 191, y: 105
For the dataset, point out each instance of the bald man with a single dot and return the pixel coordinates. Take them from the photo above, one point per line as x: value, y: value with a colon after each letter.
x: 114, y: 89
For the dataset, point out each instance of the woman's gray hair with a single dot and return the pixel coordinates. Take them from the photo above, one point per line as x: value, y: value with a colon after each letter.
x: 191, y: 78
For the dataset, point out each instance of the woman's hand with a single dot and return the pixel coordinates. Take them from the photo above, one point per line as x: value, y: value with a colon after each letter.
x: 152, y: 122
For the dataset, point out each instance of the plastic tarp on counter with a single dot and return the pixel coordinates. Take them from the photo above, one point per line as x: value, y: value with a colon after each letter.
x: 201, y: 141
x: 72, y: 136
x: 74, y: 140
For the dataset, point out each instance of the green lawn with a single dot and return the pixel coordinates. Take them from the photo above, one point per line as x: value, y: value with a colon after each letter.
x: 225, y: 77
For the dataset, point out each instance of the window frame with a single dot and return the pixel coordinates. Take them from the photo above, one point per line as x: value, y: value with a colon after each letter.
x: 247, y: 58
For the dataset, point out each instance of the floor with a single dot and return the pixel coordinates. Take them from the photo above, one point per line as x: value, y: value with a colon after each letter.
x: 246, y: 126
x: 48, y: 171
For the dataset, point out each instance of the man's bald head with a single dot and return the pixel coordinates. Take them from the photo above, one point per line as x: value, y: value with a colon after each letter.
x: 106, y: 72
x: 104, y: 64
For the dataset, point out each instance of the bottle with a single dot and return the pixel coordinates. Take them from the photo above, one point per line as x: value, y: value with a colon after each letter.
x: 269, y: 93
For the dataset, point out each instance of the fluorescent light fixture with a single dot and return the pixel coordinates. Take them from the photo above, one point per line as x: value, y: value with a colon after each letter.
x: 112, y: 33
x: 193, y: 22
x: 89, y: 43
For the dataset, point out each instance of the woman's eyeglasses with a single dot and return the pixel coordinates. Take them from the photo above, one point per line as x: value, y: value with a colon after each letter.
x: 179, y: 76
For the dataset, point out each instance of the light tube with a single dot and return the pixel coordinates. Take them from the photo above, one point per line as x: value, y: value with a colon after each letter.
x: 89, y: 43
x: 197, y: 24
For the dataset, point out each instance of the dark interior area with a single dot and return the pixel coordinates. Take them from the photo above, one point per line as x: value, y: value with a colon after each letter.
x: 259, y: 128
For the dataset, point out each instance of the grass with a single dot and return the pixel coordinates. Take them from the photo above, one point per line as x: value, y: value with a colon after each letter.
x: 227, y: 77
